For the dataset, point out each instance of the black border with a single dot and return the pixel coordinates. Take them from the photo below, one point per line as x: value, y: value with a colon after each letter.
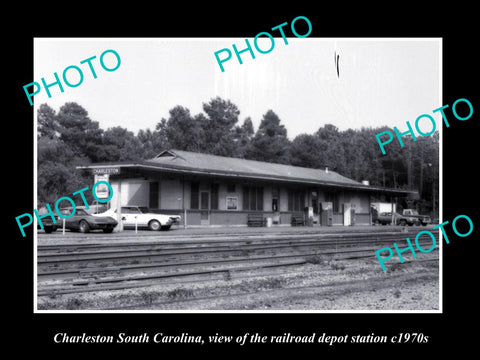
x: 450, y: 330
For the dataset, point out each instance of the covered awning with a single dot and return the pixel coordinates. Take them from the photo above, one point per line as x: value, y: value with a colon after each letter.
x: 192, y: 163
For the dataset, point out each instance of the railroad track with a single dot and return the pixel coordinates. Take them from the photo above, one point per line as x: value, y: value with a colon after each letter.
x: 187, y: 300
x: 179, y: 242
x: 74, y: 268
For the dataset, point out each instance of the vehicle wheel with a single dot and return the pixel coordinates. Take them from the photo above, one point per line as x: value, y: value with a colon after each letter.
x: 411, y: 224
x: 49, y: 229
x: 424, y: 224
x: 108, y: 230
x: 166, y: 227
x: 154, y: 225
x: 83, y: 226
x: 403, y: 222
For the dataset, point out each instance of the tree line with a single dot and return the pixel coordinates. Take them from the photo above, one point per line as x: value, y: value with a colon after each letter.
x: 69, y: 138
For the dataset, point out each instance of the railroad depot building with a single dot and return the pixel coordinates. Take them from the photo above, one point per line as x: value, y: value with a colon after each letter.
x: 210, y: 190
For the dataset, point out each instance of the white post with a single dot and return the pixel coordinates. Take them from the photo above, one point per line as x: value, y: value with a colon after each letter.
x: 136, y: 225
x: 370, y: 207
x: 63, y: 227
x: 391, y: 208
x: 119, y: 227
x: 183, y: 204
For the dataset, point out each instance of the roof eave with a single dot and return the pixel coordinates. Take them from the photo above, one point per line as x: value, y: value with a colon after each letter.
x: 241, y: 175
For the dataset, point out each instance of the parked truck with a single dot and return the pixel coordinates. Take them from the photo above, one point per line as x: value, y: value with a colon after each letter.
x: 412, y: 217
x: 407, y: 217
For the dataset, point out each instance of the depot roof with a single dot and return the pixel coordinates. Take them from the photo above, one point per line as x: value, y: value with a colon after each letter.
x: 197, y: 163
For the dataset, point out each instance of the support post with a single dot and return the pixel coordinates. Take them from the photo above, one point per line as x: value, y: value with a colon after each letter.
x: 183, y: 204
x: 391, y: 208
x: 119, y: 227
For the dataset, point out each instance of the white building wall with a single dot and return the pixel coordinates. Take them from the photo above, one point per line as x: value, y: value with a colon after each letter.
x: 123, y: 191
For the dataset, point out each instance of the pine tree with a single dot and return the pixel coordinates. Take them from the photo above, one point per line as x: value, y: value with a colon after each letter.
x: 270, y: 142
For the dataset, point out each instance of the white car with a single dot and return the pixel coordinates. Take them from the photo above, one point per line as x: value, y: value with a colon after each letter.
x: 143, y: 218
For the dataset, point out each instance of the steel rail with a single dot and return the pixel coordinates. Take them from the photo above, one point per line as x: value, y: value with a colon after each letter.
x: 153, y: 280
x: 352, y: 284
x: 51, y: 266
x: 338, y: 246
x: 210, y: 238
x: 301, y: 258
x: 199, y: 246
x: 165, y: 260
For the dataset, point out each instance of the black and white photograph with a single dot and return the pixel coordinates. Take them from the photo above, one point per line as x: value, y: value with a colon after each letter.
x: 208, y: 175
x: 269, y: 180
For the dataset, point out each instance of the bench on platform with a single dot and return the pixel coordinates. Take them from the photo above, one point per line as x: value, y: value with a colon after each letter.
x: 298, y: 219
x: 256, y: 219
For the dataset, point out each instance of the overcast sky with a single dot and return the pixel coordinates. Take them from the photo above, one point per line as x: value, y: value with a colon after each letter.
x: 382, y: 81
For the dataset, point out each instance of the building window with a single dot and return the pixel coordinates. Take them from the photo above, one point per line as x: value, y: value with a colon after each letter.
x: 253, y: 198
x: 194, y: 195
x: 214, y: 197
x: 333, y: 198
x: 296, y: 200
x: 232, y: 203
x: 204, y: 200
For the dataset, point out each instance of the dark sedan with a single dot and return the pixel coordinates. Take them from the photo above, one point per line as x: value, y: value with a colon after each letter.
x: 385, y: 218
x: 84, y: 222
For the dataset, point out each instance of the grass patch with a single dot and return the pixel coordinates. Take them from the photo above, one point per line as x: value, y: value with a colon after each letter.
x: 316, y: 260
x: 335, y: 265
x: 147, y: 297
x: 73, y: 304
x: 180, y: 293
x: 273, y: 283
x: 394, y: 267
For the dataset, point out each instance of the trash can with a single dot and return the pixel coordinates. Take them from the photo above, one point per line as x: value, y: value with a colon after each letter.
x: 310, y: 221
x: 269, y: 222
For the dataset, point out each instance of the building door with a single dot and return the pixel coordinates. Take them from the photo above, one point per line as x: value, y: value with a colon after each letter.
x: 276, y: 205
x: 315, y: 205
x: 204, y: 208
x: 153, y: 195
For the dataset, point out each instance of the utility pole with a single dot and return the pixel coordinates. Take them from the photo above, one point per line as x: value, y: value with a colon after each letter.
x: 420, y: 187
x: 409, y: 166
